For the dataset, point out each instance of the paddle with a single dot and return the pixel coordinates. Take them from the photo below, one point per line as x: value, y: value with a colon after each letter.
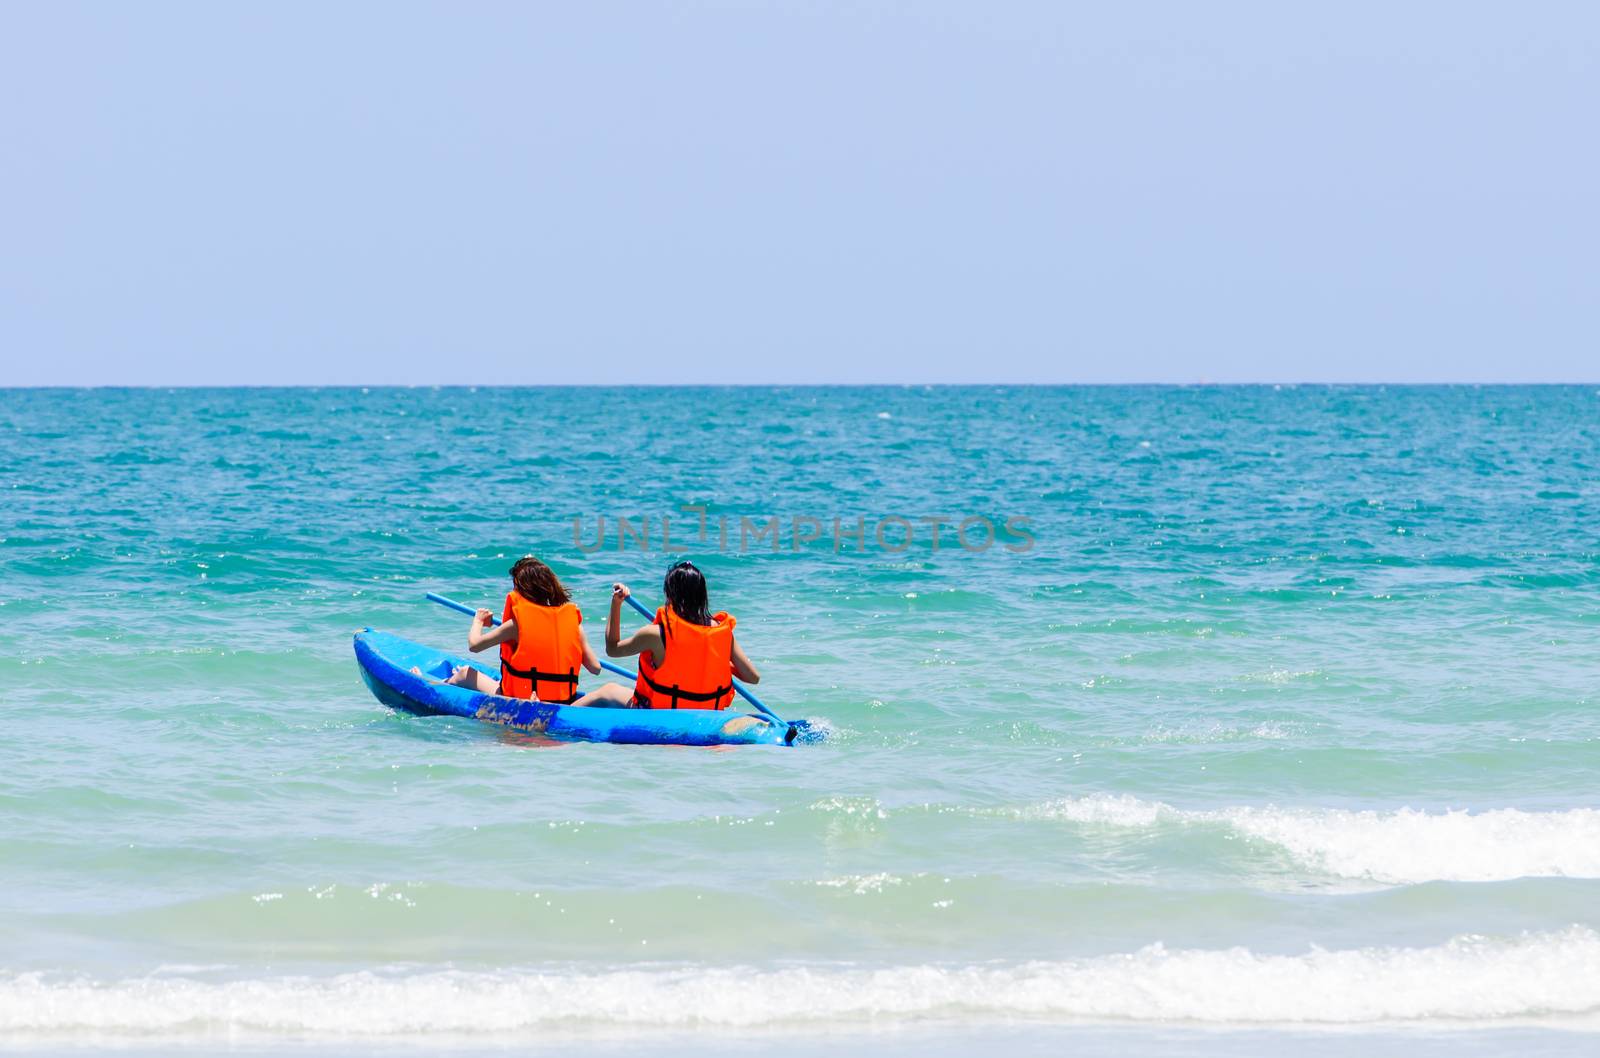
x: 464, y: 608
x: 738, y: 687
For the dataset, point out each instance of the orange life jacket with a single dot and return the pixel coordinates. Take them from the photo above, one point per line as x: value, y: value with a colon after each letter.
x: 543, y: 663
x: 697, y: 670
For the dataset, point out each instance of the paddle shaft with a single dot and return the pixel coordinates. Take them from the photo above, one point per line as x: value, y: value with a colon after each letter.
x: 463, y: 607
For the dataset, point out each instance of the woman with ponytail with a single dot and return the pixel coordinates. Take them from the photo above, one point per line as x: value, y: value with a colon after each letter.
x: 687, y: 655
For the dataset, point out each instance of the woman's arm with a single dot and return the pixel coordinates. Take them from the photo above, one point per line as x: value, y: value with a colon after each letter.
x: 742, y: 667
x: 590, y: 662
x: 478, y: 639
x: 646, y: 638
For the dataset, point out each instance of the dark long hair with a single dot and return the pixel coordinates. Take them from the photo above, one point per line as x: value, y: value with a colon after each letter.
x: 685, y: 589
x: 538, y: 583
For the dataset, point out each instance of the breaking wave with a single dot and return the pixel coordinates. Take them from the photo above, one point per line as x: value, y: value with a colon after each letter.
x: 1399, y: 846
x: 1469, y: 979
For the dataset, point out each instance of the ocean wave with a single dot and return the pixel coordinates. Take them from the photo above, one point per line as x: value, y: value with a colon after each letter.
x: 1199, y: 734
x: 1401, y: 846
x: 1470, y: 980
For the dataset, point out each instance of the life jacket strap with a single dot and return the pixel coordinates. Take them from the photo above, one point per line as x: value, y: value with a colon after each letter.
x: 541, y: 677
x: 536, y: 677
x: 674, y: 692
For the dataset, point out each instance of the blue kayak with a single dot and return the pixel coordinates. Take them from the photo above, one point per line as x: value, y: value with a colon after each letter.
x: 386, y: 662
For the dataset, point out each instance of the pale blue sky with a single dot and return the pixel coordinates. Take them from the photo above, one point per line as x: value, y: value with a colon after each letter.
x: 798, y: 192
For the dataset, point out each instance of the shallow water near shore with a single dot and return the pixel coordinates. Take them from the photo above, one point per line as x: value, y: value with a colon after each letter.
x: 1269, y: 718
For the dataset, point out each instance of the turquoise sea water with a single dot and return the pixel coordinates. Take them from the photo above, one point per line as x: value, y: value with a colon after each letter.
x: 1277, y: 715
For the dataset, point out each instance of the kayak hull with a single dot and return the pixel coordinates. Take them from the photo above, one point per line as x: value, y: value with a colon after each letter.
x: 386, y: 661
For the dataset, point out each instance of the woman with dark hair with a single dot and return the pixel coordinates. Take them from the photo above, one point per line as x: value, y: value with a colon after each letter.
x: 540, y: 637
x: 687, y: 656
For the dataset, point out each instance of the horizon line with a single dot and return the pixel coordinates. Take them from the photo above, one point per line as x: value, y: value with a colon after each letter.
x: 1199, y: 384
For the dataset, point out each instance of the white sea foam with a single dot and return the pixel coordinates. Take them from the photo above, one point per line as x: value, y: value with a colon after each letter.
x: 862, y: 884
x: 1469, y: 980
x: 1400, y: 846
x: 1266, y: 730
